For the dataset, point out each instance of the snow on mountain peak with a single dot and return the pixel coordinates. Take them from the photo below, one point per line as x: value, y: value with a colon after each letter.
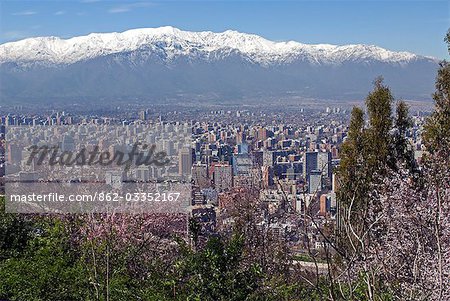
x: 175, y: 42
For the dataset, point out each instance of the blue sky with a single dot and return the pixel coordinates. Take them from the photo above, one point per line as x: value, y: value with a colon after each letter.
x: 415, y: 26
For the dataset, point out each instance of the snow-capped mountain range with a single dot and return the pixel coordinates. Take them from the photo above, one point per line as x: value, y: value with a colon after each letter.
x: 176, y: 42
x: 228, y: 63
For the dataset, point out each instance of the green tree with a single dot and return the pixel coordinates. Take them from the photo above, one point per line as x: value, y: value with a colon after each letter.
x: 15, y: 232
x: 437, y: 129
x: 216, y: 273
x: 47, y: 269
x: 352, y: 154
x: 367, y: 157
x: 379, y: 110
x: 366, y: 150
x: 352, y: 178
x: 403, y: 153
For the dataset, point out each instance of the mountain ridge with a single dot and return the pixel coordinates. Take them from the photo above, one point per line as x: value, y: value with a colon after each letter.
x: 55, y: 50
x: 165, y: 62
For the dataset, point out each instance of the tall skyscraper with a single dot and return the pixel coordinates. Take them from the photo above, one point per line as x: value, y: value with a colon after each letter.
x: 310, y: 160
x: 143, y: 115
x: 315, y: 181
x: 185, y: 162
x: 223, y: 177
x: 324, y: 165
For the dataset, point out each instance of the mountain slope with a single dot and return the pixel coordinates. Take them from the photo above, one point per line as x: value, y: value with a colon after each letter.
x: 163, y: 62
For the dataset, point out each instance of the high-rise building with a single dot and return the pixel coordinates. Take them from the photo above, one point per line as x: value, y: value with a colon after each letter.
x: 185, y: 162
x: 334, y: 152
x: 325, y: 166
x: 335, y: 183
x: 168, y: 147
x: 223, y: 177
x: 200, y: 175
x: 315, y: 182
x: 267, y: 176
x: 14, y: 153
x: 240, y: 138
x: 310, y: 160
x: 262, y: 134
x: 143, y: 115
x: 325, y: 204
x: 267, y: 157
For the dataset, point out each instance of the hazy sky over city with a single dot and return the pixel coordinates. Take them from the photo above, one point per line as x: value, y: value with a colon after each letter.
x: 415, y: 26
